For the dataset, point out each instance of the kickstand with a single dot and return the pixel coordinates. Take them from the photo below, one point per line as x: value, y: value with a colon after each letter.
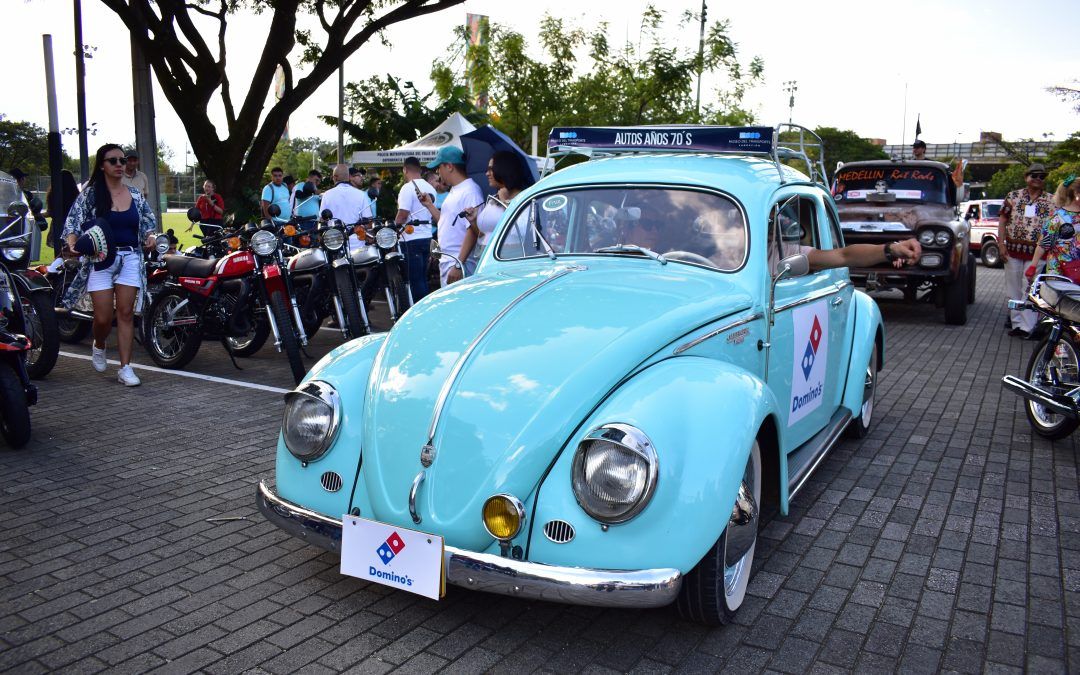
x: 233, y: 359
x: 304, y: 350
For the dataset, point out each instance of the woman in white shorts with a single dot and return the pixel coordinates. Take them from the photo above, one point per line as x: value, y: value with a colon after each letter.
x: 120, y: 282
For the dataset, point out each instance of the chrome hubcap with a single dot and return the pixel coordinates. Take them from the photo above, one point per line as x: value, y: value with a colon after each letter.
x: 169, y: 340
x: 868, y: 396
x: 741, y: 533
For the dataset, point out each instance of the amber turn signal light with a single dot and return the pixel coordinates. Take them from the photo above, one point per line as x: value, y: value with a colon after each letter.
x: 289, y: 231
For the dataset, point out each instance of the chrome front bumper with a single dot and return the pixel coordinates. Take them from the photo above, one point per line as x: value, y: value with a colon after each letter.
x: 495, y: 574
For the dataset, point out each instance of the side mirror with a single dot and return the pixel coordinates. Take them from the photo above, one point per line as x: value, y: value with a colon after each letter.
x: 326, y: 214
x: 194, y: 215
x: 960, y: 194
x: 435, y: 249
x: 793, y: 266
x: 36, y: 205
x: 274, y: 210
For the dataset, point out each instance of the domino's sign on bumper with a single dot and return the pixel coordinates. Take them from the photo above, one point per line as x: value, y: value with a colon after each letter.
x: 811, y: 340
x: 392, y: 556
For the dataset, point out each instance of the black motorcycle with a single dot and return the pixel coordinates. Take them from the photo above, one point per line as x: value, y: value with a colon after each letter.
x: 325, y: 281
x: 386, y: 264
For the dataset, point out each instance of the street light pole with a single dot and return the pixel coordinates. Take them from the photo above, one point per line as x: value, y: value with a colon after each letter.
x: 701, y: 58
x: 791, y: 86
x: 80, y: 94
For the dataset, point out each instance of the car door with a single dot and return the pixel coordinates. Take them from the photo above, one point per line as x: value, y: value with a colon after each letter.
x: 841, y: 308
x: 806, y: 341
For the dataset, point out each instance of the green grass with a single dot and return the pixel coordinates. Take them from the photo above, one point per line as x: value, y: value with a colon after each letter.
x: 177, y: 221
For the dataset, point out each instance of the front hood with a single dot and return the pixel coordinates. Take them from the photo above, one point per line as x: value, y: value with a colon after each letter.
x: 542, y: 365
x: 891, y: 217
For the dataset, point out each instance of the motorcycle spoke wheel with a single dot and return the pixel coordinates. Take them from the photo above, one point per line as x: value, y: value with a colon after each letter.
x: 1054, y: 367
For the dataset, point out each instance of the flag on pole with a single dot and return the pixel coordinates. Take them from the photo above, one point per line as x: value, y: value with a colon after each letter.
x: 918, y: 126
x: 958, y: 172
x: 477, y: 61
x: 279, y: 93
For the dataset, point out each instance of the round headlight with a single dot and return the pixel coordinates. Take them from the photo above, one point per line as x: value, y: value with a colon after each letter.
x: 926, y: 237
x: 14, y: 253
x: 333, y: 239
x: 614, y: 473
x: 264, y: 242
x: 386, y: 238
x: 162, y: 243
x: 312, y: 415
x: 503, y: 516
x: 942, y: 238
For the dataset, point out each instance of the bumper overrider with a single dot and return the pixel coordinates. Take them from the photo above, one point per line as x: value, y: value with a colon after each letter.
x: 495, y: 574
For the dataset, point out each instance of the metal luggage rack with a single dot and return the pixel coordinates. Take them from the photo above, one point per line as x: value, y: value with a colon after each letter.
x: 796, y: 149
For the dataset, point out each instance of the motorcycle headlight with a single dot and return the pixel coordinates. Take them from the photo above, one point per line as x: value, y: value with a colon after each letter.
x: 333, y: 239
x: 942, y: 238
x: 14, y: 253
x: 926, y: 237
x: 386, y: 238
x: 264, y: 242
x: 312, y: 415
x: 614, y: 473
x: 162, y: 244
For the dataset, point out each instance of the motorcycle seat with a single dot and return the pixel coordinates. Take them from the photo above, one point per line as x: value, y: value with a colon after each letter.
x: 187, y: 266
x: 1063, y: 296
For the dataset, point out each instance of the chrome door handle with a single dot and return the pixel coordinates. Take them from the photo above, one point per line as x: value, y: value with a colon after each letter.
x: 837, y: 301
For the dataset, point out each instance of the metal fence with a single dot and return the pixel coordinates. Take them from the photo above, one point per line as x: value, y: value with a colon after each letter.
x: 178, y: 191
x: 976, y: 152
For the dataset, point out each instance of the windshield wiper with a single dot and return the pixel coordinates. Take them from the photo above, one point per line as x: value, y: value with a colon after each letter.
x: 633, y: 248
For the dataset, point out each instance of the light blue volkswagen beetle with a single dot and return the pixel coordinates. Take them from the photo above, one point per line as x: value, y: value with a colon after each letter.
x: 641, y: 364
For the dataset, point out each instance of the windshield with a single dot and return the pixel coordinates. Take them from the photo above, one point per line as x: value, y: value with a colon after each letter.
x: 910, y: 183
x: 991, y: 211
x: 9, y: 191
x: 684, y: 225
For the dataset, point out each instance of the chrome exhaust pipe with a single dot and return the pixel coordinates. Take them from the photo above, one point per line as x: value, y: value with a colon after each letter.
x: 1040, y: 396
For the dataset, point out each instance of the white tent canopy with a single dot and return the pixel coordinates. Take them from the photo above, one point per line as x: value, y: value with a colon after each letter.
x: 424, y: 149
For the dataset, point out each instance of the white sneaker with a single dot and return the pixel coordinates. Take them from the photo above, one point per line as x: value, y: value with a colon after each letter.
x: 127, y: 377
x: 97, y: 358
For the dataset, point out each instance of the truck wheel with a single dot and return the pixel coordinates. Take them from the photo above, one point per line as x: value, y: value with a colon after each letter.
x: 1060, y: 358
x: 860, y: 426
x: 714, y: 590
x: 956, y: 294
x: 971, y: 279
x: 14, y: 413
x: 991, y: 254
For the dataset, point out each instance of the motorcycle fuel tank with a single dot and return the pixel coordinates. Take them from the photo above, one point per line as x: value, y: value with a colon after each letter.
x: 236, y: 264
x: 309, y: 259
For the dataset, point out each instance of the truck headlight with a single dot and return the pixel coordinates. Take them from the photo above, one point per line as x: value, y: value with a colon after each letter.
x: 926, y: 237
x: 614, y: 472
x: 942, y: 237
x: 311, y: 420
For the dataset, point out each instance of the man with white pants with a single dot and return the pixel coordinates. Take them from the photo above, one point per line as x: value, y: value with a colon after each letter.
x: 1019, y: 226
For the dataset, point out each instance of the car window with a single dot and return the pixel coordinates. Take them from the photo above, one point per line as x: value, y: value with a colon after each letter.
x: 793, y: 226
x: 991, y: 210
x: 973, y: 212
x: 693, y: 226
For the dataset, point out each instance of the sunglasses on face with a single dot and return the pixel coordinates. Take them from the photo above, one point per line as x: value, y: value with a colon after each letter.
x: 116, y: 160
x: 1038, y: 176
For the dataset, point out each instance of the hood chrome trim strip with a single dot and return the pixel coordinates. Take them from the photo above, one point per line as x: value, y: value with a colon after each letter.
x: 455, y: 372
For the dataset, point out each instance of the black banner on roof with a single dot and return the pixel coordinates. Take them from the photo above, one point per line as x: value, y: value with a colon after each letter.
x: 683, y: 139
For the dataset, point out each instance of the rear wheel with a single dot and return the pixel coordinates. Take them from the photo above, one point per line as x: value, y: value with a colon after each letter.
x: 169, y: 345
x: 72, y: 330
x: 714, y: 590
x: 991, y: 254
x: 42, y: 330
x: 290, y: 342
x: 1049, y: 363
x: 14, y: 412
x: 350, y: 301
x: 860, y: 426
x: 956, y: 294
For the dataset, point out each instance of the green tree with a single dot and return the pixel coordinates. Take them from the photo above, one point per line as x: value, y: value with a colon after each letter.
x: 297, y: 156
x: 844, y: 145
x: 192, y: 69
x: 1066, y: 151
x: 26, y: 145
x: 1005, y: 181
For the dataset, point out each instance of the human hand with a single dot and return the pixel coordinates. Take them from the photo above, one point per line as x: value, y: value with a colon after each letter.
x: 470, y: 215
x: 454, y: 275
x: 1030, y: 272
x: 425, y: 199
x: 905, y: 252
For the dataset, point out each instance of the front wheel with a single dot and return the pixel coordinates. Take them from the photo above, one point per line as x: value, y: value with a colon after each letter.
x: 860, y: 426
x: 1056, y: 368
x: 290, y: 342
x: 171, y: 345
x: 14, y: 412
x: 714, y: 590
x: 41, y: 327
x: 956, y: 302
x: 395, y: 287
x: 350, y: 301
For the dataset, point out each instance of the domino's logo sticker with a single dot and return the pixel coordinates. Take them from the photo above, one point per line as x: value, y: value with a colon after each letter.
x: 390, y: 548
x: 810, y: 359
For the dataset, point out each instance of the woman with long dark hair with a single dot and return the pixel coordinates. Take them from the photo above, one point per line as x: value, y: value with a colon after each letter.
x: 121, y: 283
x: 507, y: 175
x: 59, y: 201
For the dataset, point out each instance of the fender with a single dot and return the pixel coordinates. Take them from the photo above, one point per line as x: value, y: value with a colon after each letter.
x: 31, y: 280
x: 346, y: 368
x: 273, y: 280
x: 702, y: 417
x: 868, y: 329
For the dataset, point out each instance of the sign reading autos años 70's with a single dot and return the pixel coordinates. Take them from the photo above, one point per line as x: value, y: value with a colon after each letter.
x: 811, y: 358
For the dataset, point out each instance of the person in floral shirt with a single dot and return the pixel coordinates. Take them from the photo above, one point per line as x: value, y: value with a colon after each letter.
x: 1019, y: 223
x: 1060, y: 240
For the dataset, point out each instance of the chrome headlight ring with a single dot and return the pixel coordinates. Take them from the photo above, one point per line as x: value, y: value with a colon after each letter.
x: 264, y: 242
x: 14, y: 253
x: 926, y: 237
x: 311, y: 420
x: 386, y: 238
x: 333, y: 239
x: 942, y: 237
x: 614, y: 472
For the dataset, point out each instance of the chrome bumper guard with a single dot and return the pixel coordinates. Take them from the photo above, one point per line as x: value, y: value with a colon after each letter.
x: 495, y: 574
x: 1060, y: 405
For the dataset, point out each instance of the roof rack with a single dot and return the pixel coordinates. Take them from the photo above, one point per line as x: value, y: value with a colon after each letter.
x: 597, y: 142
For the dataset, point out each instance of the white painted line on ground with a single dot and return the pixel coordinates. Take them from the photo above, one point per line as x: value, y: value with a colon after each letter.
x: 183, y: 373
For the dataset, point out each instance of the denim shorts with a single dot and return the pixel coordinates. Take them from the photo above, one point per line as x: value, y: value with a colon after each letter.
x: 124, y: 271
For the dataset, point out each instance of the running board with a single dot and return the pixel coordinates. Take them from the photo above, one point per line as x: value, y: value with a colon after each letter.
x: 802, y: 462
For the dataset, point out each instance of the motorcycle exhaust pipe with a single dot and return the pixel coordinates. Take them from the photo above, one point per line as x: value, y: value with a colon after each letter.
x: 1044, y: 398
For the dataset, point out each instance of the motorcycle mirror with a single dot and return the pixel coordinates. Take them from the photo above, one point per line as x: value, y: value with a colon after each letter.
x: 274, y: 210
x: 326, y: 214
x: 36, y: 205
x: 194, y: 215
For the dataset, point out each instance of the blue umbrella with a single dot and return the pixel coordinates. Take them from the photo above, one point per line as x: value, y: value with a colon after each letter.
x: 481, y: 144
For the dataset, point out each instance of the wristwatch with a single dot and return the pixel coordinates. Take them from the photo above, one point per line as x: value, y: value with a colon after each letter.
x: 889, y: 257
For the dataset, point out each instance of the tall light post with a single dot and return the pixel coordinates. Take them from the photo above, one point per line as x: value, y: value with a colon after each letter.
x: 701, y: 58
x: 790, y: 87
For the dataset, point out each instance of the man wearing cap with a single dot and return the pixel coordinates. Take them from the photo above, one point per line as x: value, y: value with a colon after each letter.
x: 449, y: 164
x: 417, y: 245
x: 1019, y: 224
x: 918, y: 149
x: 20, y: 177
x: 132, y: 177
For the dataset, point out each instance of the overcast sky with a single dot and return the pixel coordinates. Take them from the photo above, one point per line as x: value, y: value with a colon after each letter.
x: 968, y: 65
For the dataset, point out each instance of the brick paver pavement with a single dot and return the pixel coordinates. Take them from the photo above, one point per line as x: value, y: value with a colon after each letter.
x: 946, y: 540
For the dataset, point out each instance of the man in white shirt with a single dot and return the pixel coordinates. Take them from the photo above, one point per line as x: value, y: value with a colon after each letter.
x: 449, y: 164
x: 345, y: 202
x: 417, y: 245
x: 132, y: 177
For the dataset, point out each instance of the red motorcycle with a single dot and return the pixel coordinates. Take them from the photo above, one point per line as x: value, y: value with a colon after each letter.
x: 240, y: 299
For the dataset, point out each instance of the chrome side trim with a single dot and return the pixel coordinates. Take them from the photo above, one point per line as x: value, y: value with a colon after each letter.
x: 841, y: 285
x: 726, y: 327
x: 451, y: 379
x: 412, y: 496
x: 495, y: 574
x: 830, y: 441
x: 816, y: 295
